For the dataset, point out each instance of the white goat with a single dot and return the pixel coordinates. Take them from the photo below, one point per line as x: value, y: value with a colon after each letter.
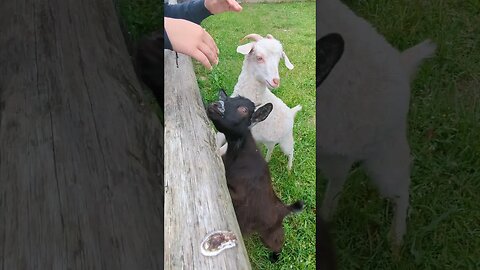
x: 259, y: 75
x: 362, y: 109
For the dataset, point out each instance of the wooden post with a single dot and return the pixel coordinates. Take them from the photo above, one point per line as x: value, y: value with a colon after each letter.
x: 197, y: 200
x: 80, y: 154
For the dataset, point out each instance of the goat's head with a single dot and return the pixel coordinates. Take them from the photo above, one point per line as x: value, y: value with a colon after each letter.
x: 263, y: 56
x: 235, y: 116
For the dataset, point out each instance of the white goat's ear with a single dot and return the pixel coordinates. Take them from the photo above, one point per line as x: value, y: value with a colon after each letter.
x: 246, y: 48
x: 287, y: 62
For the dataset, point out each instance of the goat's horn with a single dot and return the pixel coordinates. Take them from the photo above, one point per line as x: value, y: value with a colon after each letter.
x: 270, y: 36
x: 255, y: 37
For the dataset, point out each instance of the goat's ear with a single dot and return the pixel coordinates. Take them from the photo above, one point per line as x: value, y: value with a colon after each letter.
x: 262, y: 113
x: 222, y: 95
x: 329, y: 50
x: 287, y: 61
x: 246, y: 48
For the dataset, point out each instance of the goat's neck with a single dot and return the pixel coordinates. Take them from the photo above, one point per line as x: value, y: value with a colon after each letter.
x: 248, y: 86
x: 237, y: 145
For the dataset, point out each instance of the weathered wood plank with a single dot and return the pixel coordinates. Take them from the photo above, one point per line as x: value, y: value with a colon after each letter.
x: 197, y: 200
x: 80, y: 155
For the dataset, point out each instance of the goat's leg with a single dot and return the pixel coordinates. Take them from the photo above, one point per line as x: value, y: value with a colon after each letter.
x: 270, y: 147
x: 287, y: 145
x: 335, y: 168
x: 273, y: 239
x: 389, y: 168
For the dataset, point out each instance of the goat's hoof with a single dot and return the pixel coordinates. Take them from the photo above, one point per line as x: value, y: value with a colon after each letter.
x: 274, y: 256
x: 396, y: 244
x: 396, y: 249
x: 396, y: 252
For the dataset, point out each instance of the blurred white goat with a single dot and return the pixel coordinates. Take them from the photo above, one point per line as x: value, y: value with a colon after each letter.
x: 362, y: 109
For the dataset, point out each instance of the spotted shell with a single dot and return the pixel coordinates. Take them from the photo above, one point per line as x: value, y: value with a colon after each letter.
x: 217, y: 241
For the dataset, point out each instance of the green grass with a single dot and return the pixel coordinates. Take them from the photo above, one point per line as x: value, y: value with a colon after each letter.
x: 293, y: 24
x: 443, y: 226
x: 138, y: 19
x: 141, y: 17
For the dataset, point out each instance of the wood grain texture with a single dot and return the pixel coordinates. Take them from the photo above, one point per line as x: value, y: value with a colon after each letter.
x: 197, y: 200
x: 80, y: 155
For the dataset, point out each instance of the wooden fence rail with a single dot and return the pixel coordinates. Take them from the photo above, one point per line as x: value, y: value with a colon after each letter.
x: 197, y: 200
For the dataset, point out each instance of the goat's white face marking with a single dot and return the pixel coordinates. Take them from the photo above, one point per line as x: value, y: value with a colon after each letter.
x: 221, y: 108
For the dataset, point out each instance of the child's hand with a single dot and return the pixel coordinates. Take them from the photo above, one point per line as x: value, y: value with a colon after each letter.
x: 219, y: 6
x: 191, y: 39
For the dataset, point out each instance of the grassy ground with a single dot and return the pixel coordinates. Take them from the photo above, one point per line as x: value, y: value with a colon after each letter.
x: 293, y: 24
x: 140, y: 17
x: 443, y: 227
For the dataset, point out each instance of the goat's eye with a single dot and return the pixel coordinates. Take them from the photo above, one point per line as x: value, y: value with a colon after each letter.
x: 259, y: 59
x: 242, y: 110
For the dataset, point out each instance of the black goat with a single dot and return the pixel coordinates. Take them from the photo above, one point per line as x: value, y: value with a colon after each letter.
x: 257, y: 207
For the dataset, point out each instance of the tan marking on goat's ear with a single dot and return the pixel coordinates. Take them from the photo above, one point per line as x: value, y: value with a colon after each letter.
x: 287, y: 61
x: 246, y: 48
x: 255, y: 37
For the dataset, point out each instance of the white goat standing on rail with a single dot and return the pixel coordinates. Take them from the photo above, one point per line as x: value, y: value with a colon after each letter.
x: 259, y: 75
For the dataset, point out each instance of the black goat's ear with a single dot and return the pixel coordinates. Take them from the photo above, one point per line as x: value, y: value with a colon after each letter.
x: 329, y: 50
x: 262, y: 113
x: 222, y: 95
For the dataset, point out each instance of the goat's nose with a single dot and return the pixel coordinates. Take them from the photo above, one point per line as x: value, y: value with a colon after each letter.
x: 276, y: 82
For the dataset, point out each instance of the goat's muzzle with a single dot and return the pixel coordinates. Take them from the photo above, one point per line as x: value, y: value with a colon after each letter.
x: 216, y: 108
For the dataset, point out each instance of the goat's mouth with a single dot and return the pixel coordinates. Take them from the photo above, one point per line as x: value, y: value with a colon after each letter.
x: 270, y: 86
x: 214, y: 110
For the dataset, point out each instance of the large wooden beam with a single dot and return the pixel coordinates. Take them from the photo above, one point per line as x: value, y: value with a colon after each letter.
x: 80, y: 154
x: 197, y: 200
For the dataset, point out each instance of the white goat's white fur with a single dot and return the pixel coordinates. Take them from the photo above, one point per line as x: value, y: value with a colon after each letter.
x: 278, y: 127
x: 362, y: 109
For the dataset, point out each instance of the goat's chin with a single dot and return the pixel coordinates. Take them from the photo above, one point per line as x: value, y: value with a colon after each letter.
x: 213, y: 113
x: 269, y: 86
